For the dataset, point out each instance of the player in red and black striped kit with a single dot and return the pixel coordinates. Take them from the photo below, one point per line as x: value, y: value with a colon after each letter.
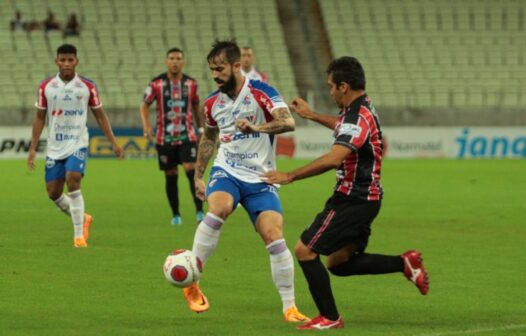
x: 341, y: 231
x: 178, y: 127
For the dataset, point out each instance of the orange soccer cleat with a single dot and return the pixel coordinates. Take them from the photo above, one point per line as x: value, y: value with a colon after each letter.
x: 197, y: 301
x: 293, y: 315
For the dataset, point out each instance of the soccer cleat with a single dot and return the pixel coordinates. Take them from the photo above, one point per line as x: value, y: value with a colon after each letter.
x: 293, y: 315
x: 199, y: 216
x: 80, y: 242
x: 197, y: 301
x: 176, y: 220
x: 87, y: 222
x: 321, y: 323
x: 414, y: 270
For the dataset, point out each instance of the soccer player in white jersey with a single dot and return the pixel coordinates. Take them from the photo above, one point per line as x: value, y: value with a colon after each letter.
x: 247, y: 65
x: 64, y: 99
x: 244, y: 115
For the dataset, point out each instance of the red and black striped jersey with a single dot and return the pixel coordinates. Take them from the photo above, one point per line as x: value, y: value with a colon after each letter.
x: 359, y: 129
x: 175, y: 100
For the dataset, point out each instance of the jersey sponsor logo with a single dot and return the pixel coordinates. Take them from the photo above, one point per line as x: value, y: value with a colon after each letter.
x: 240, y: 156
x: 57, y: 112
x: 176, y: 103
x: 75, y: 112
x: 349, y: 129
x: 225, y: 138
x: 66, y: 137
x: 221, y: 104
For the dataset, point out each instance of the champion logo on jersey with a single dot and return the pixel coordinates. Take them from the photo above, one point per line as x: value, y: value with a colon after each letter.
x: 79, y: 97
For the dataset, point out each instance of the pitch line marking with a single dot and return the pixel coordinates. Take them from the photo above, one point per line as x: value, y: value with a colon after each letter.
x: 476, y: 331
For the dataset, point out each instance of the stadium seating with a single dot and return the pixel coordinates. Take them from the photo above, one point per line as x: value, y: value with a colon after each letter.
x: 426, y: 53
x: 122, y: 44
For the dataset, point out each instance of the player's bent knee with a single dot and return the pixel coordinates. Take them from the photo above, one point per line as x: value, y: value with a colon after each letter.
x: 304, y: 253
x: 221, y: 211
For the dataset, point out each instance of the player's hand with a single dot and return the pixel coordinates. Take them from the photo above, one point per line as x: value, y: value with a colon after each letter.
x: 31, y: 159
x: 245, y: 126
x: 147, y: 132
x: 276, y: 177
x: 301, y: 107
x: 119, y: 152
x: 200, y: 189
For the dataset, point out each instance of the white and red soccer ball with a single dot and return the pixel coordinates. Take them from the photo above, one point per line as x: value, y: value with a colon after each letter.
x: 182, y: 268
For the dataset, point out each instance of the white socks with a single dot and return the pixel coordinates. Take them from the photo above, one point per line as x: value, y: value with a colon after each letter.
x: 76, y: 209
x: 282, y: 267
x: 207, y: 236
x: 63, y: 203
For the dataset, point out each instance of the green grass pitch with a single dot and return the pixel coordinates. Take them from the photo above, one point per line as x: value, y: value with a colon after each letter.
x: 467, y: 218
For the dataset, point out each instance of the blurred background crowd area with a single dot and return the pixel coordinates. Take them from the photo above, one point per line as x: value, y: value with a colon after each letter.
x: 427, y: 62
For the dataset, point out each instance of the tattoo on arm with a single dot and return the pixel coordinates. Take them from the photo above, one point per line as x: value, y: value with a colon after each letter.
x: 205, y: 151
x: 283, y: 122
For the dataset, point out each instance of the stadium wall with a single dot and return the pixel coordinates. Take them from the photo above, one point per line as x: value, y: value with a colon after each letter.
x: 311, y: 142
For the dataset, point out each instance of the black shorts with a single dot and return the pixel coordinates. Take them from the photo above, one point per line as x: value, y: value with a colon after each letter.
x: 171, y: 155
x: 343, y: 221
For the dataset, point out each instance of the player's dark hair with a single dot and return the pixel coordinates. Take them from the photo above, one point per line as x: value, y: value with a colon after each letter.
x: 349, y: 70
x: 67, y: 49
x: 174, y: 50
x: 229, y: 47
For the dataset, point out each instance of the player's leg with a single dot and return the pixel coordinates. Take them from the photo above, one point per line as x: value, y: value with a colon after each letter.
x: 264, y: 208
x: 222, y: 193
x: 320, y: 238
x: 55, y: 176
x: 352, y: 260
x: 187, y: 156
x: 75, y: 167
x: 320, y: 288
x: 189, y: 169
x: 167, y: 156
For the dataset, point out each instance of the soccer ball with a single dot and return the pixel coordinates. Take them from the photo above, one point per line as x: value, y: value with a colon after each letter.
x: 182, y: 268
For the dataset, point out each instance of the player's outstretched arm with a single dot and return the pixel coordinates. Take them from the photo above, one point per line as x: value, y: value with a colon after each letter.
x: 303, y: 109
x: 330, y: 160
x: 283, y: 122
x: 38, y: 126
x: 207, y: 145
x: 104, y: 124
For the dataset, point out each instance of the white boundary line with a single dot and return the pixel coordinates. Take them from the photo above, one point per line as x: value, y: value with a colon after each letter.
x: 476, y: 331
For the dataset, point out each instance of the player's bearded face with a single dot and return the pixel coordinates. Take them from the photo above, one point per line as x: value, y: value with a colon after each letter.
x: 227, y: 85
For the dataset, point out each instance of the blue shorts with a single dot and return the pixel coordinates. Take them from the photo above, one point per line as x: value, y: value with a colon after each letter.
x: 255, y: 197
x: 56, y: 169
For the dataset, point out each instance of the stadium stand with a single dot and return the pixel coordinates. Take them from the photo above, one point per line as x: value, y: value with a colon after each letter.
x: 441, y: 54
x: 122, y: 44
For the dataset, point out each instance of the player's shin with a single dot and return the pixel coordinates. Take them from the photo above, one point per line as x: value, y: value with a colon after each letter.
x: 207, y: 236
x: 77, y: 212
x: 282, y: 268
x: 320, y: 287
x: 63, y: 203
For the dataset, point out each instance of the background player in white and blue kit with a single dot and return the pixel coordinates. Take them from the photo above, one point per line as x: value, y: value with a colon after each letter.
x: 244, y: 115
x: 64, y: 99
